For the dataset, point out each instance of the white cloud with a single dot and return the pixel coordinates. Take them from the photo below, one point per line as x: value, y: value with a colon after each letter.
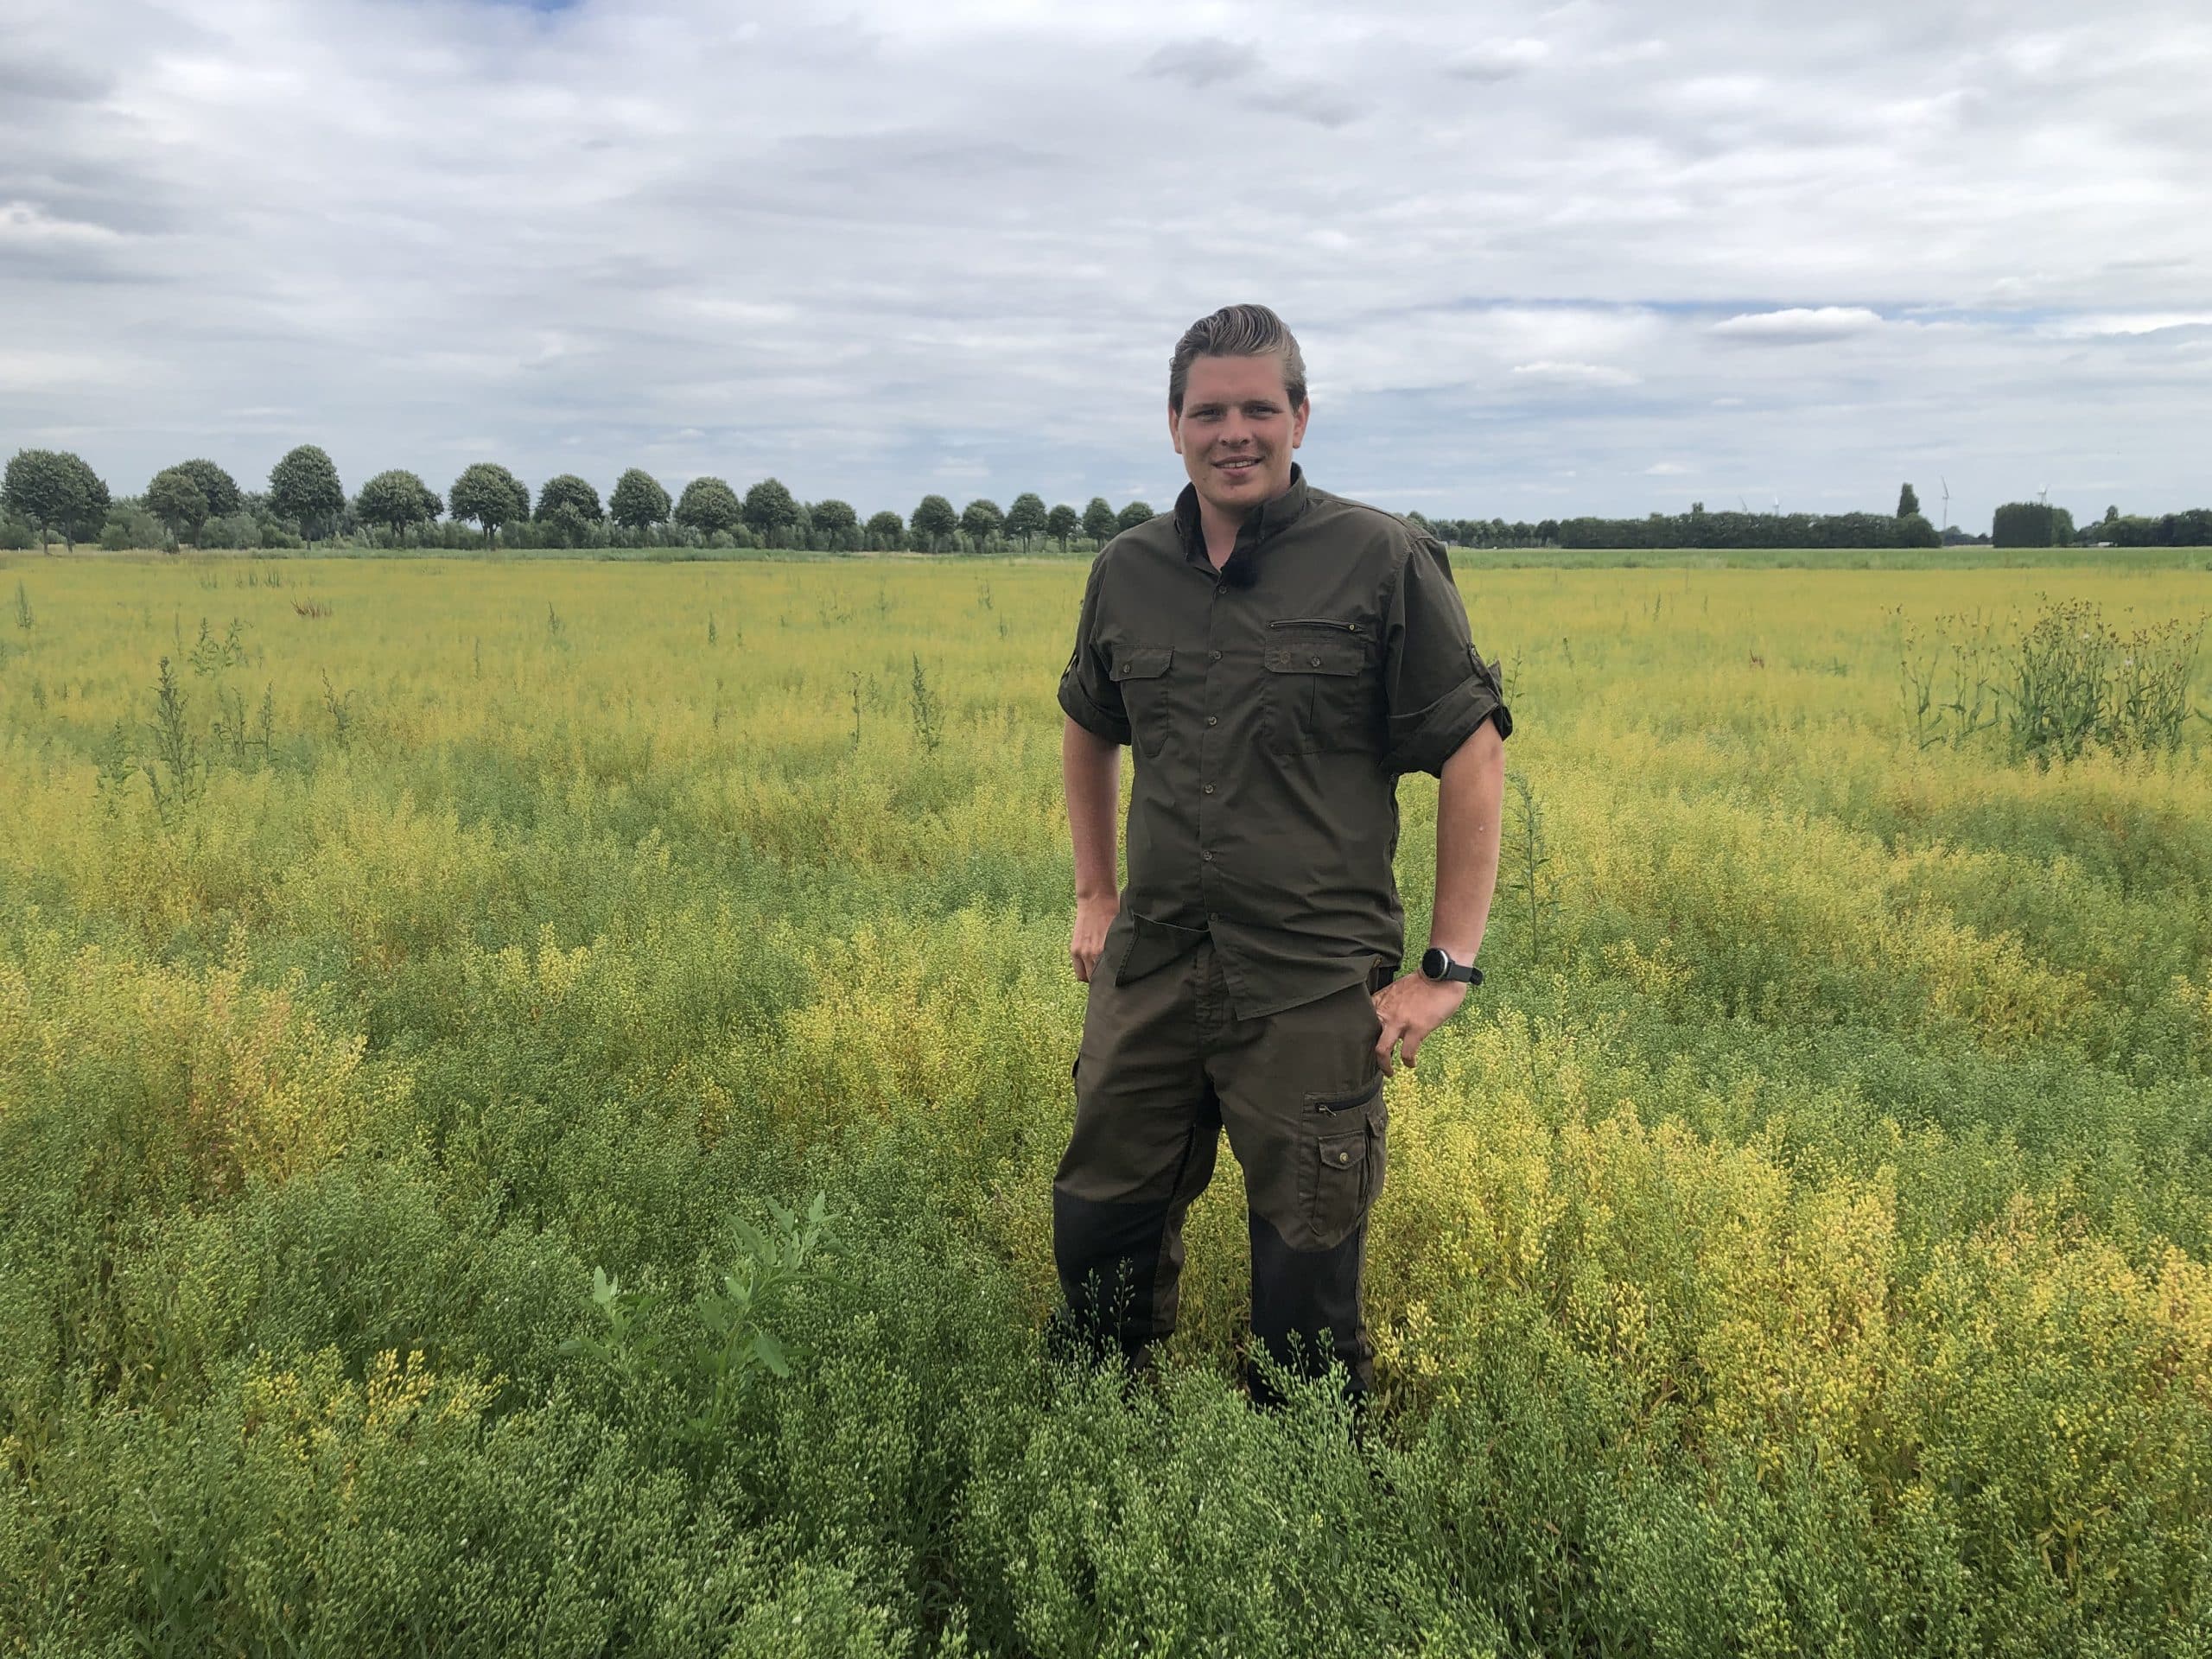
x: 636, y: 232
x: 1799, y: 325
x: 1665, y: 469
x: 1578, y: 374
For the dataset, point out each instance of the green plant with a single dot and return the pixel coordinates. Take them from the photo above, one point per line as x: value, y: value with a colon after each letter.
x: 929, y: 716
x: 175, y: 772
x: 22, y: 607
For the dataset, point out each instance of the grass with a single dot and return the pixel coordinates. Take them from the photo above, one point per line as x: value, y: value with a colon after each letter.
x: 432, y: 995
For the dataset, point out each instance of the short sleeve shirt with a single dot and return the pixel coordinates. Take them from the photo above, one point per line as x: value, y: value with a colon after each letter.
x: 1272, y: 706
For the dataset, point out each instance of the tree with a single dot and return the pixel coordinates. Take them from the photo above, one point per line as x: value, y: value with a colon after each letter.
x: 1133, y: 515
x: 567, y: 490
x: 1060, y: 523
x: 934, y: 521
x: 837, y: 521
x: 396, y: 499
x: 885, y: 531
x: 1099, y: 521
x: 217, y: 485
x: 53, y: 489
x: 491, y: 495
x: 178, y: 501
x: 709, y: 506
x: 1026, y: 519
x: 981, y: 520
x: 769, y: 510
x: 638, y: 501
x: 1908, y: 503
x: 568, y: 505
x: 2032, y: 524
x: 304, y: 487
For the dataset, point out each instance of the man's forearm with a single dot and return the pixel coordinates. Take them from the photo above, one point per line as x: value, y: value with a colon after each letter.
x: 1469, y: 805
x: 1091, y: 772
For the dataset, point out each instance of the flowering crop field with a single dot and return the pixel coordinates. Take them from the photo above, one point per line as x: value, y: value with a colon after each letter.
x: 432, y: 1005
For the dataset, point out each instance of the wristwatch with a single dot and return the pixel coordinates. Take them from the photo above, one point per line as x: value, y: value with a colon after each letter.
x: 1437, y: 964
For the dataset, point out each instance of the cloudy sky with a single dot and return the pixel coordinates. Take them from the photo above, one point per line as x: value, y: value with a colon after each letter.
x: 1542, y: 259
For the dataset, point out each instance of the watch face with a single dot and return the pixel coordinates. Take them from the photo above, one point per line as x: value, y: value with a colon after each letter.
x: 1434, y: 964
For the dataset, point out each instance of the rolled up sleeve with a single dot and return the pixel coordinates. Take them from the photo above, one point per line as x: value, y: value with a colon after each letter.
x: 1438, y: 689
x: 1088, y: 695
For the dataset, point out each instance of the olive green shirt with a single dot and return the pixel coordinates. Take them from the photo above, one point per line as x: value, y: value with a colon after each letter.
x: 1272, y: 706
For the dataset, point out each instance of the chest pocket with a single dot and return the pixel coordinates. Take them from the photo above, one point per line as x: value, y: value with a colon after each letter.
x: 1319, y: 693
x: 1141, y: 674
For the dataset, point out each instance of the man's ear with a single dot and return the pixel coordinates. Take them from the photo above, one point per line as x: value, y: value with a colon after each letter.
x: 1303, y: 413
x: 1175, y: 427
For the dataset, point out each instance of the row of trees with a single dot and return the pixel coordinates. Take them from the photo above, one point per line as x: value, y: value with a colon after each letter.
x: 198, y: 502
x: 59, y: 497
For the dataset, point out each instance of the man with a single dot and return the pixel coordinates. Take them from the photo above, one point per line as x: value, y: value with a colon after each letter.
x: 1276, y: 657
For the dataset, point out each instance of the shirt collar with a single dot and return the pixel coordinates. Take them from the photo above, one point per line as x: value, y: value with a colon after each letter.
x: 1265, y: 521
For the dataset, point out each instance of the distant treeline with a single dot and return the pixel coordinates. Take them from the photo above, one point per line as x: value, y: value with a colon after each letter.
x: 1698, y: 528
x: 53, y: 495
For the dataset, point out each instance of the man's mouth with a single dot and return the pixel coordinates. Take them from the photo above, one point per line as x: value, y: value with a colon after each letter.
x: 1237, y: 466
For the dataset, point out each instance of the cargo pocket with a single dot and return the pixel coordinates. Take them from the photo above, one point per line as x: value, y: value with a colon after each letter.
x: 1345, y: 1169
x: 1319, y: 694
x: 1141, y: 673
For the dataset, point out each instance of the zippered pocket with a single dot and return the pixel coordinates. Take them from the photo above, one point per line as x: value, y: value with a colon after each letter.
x: 1315, y: 622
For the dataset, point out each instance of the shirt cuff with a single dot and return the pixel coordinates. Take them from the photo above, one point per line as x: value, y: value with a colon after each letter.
x: 1088, y: 714
x: 1425, y: 739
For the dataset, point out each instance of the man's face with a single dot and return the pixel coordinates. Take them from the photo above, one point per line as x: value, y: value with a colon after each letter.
x: 1236, y: 430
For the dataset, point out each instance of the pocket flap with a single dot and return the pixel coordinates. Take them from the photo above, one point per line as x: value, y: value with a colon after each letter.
x: 1143, y: 663
x: 1316, y: 657
x: 1344, y: 1151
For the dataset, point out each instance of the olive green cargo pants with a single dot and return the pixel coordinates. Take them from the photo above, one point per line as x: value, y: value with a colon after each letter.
x: 1163, y: 1068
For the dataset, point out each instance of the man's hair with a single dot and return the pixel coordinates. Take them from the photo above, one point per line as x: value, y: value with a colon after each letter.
x: 1236, y: 331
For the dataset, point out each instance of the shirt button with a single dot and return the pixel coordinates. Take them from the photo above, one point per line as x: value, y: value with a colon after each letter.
x: 1209, y: 789
x: 1207, y: 855
x: 1344, y: 1157
x: 1213, y: 655
x: 1220, y: 588
x: 1315, y: 661
x: 1211, y: 721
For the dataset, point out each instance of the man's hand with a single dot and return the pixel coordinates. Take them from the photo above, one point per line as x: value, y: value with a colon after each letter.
x: 1411, y: 1008
x: 1092, y: 918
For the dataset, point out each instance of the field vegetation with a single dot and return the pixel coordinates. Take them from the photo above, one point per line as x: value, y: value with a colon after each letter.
x: 528, y: 1092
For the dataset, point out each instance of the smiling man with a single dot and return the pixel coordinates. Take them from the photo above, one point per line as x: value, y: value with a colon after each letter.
x: 1276, y: 657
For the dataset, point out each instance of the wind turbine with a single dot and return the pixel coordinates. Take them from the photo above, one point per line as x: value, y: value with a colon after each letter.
x: 1946, y: 483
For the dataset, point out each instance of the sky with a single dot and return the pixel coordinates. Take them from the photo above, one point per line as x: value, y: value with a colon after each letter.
x: 1541, y: 259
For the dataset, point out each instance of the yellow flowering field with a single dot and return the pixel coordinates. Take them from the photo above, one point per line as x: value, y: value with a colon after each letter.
x: 528, y: 1092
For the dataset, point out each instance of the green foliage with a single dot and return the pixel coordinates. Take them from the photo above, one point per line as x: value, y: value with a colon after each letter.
x: 709, y: 506
x: 770, y: 512
x: 1722, y: 529
x: 178, y: 501
x: 1026, y: 519
x: 935, y: 524
x: 638, y: 501
x: 1136, y: 514
x: 2032, y: 524
x: 55, y: 491
x: 217, y: 485
x: 397, y: 500
x: 304, y: 488
x: 981, y: 520
x: 2055, y: 687
x: 1061, y: 524
x: 836, y: 525
x: 1099, y: 521
x: 886, y: 532
x: 1800, y: 1244
x: 490, y: 495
